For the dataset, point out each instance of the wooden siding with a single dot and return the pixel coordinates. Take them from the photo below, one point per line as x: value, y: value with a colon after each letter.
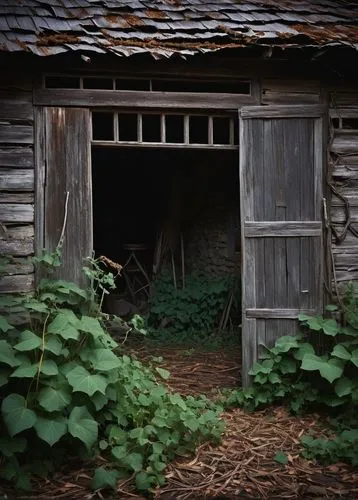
x: 343, y: 159
x: 16, y: 184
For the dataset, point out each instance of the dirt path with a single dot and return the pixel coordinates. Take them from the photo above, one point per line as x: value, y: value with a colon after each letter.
x: 244, y: 465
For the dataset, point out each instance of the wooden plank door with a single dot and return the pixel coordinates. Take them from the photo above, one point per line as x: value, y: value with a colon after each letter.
x: 281, y: 198
x: 67, y: 196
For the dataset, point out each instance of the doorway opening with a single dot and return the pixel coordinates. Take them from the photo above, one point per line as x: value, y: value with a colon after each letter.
x: 169, y: 216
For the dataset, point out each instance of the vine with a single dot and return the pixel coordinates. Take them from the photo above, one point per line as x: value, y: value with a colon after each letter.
x: 67, y: 391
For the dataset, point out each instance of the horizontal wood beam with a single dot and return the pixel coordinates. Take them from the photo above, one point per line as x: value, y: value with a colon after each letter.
x: 18, y: 240
x: 13, y: 212
x: 139, y: 99
x: 166, y: 145
x: 277, y: 313
x: 16, y: 179
x: 344, y: 112
x: 20, y: 157
x: 17, y: 283
x: 16, y: 134
x: 282, y: 229
x: 283, y: 111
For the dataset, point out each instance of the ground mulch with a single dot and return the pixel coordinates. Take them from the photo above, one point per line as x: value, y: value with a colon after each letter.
x: 243, y: 465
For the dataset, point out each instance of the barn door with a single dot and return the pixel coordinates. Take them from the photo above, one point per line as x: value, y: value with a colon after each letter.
x: 281, y: 198
x: 67, y: 202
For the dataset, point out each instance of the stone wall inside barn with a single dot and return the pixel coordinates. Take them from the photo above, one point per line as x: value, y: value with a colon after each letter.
x: 213, y: 233
x: 16, y: 182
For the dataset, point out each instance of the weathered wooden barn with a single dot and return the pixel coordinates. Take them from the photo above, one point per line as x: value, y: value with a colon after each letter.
x: 100, y: 100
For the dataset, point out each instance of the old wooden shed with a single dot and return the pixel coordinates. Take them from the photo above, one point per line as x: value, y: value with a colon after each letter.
x: 268, y: 88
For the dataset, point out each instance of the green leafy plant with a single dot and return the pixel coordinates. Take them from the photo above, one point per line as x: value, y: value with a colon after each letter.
x: 301, y: 373
x: 182, y: 311
x: 67, y: 391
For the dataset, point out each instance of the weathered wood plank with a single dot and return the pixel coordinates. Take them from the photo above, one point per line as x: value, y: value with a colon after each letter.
x: 17, y: 283
x: 68, y: 153
x: 344, y: 112
x: 277, y: 313
x: 347, y: 172
x: 21, y: 157
x: 338, y: 214
x: 16, y: 106
x: 12, y: 212
x: 166, y: 145
x: 14, y: 197
x: 16, y: 179
x: 278, y: 97
x: 18, y: 266
x: 342, y: 98
x: 17, y: 241
x: 16, y: 134
x: 290, y: 92
x: 345, y: 144
x: 284, y: 111
x: 249, y: 334
x: 138, y: 99
x: 282, y: 228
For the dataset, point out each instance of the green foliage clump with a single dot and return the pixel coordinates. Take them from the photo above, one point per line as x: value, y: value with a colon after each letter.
x: 194, y: 308
x: 297, y: 373
x: 67, y: 391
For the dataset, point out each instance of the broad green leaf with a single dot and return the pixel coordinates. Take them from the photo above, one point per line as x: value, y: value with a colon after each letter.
x: 48, y: 367
x: 274, y: 378
x: 119, y: 452
x: 7, y: 355
x: 286, y: 343
x: 341, y: 352
x: 68, y: 286
x: 313, y: 322
x: 99, y: 400
x: 144, y: 481
x: 16, y: 415
x: 331, y: 308
x: 36, y: 305
x: 134, y: 461
x: 163, y: 373
x: 82, y: 381
x: 5, y: 325
x: 91, y: 326
x: 51, y: 399
x: 288, y: 365
x: 63, y: 325
x: 262, y: 367
x: 176, y: 399
x: 343, y: 387
x: 105, y: 478
x: 281, y: 458
x: 329, y: 369
x: 51, y: 430
x: 354, y: 357
x: 330, y: 327
x: 29, y: 341
x: 53, y: 344
x: 82, y: 426
x: 303, y: 349
x: 104, y: 360
x: 9, y: 446
x: 25, y: 371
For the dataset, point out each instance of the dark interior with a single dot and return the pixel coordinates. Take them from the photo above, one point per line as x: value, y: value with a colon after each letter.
x: 137, y: 192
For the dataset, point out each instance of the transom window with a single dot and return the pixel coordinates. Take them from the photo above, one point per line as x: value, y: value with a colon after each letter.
x: 169, y: 129
x: 148, y: 84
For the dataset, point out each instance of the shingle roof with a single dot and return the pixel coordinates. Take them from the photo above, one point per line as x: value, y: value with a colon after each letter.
x: 166, y: 27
